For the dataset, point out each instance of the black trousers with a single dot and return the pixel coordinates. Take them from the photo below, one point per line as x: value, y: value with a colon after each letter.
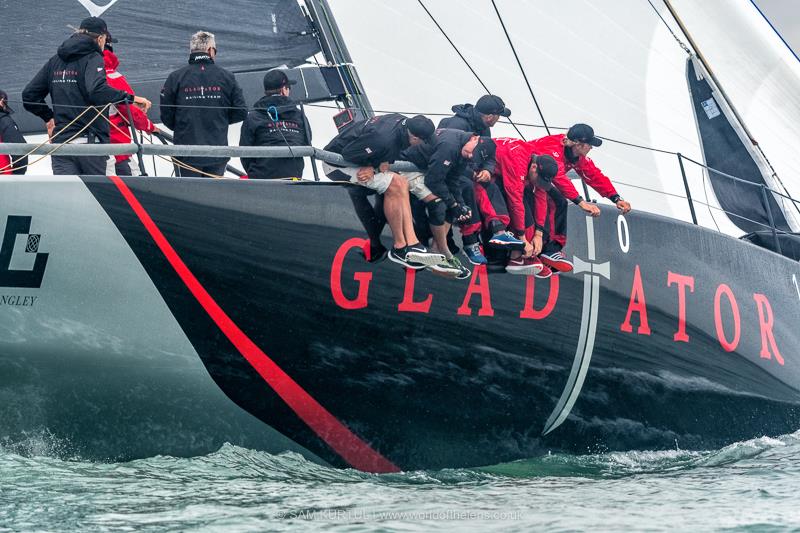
x: 91, y: 165
x: 371, y: 217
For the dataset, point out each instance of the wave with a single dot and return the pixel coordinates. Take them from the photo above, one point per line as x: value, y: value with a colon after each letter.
x: 43, y: 451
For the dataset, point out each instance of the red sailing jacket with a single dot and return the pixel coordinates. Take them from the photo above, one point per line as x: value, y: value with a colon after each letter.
x: 513, y: 156
x: 121, y: 134
x: 584, y: 167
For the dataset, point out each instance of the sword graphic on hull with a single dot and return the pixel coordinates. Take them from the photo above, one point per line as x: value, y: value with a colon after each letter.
x: 583, y: 354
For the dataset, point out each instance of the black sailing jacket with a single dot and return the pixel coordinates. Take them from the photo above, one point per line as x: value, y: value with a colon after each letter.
x: 9, y: 133
x: 74, y: 78
x: 468, y: 119
x: 212, y: 99
x: 274, y: 121
x: 374, y: 141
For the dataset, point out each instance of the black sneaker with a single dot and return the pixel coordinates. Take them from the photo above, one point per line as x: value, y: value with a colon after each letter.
x: 400, y: 256
x: 377, y: 253
x: 417, y: 253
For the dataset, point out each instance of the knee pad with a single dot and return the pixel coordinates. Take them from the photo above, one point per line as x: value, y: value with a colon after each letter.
x: 436, y: 212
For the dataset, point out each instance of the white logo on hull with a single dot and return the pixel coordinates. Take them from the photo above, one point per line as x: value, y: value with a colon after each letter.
x: 583, y: 354
x: 95, y: 10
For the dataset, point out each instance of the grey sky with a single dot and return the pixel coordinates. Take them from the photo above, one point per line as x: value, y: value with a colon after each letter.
x: 785, y: 17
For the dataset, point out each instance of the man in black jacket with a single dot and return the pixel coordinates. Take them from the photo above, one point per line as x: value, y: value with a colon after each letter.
x: 9, y: 133
x: 275, y: 121
x: 479, y: 118
x: 75, y: 78
x: 482, y: 195
x: 198, y: 103
x: 449, y: 161
x: 373, y: 145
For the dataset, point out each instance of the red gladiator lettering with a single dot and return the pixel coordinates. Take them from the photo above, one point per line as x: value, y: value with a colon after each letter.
x: 408, y: 305
x: 682, y: 282
x: 552, y: 298
x: 363, y: 278
x: 766, y: 321
x: 478, y: 284
x: 727, y: 345
x: 638, y: 304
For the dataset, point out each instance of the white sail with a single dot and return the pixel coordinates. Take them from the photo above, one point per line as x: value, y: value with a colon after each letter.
x: 613, y: 65
x: 759, y: 73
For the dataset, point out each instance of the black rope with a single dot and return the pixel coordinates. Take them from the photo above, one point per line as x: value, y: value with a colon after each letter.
x: 464, y: 59
x: 521, y: 68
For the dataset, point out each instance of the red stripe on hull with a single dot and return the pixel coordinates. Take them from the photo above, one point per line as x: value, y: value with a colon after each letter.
x: 344, y: 442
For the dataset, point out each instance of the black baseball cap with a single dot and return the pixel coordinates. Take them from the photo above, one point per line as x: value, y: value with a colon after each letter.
x: 490, y: 104
x: 546, y: 168
x: 420, y: 126
x: 97, y: 26
x: 583, y: 133
x: 275, y: 79
x: 484, y: 151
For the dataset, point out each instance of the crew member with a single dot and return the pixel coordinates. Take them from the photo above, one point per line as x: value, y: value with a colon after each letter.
x: 449, y: 162
x: 198, y: 103
x: 480, y: 118
x: 525, y: 176
x: 120, y: 127
x: 9, y: 133
x: 373, y: 145
x: 275, y: 121
x: 482, y: 194
x: 570, y: 152
x: 75, y: 79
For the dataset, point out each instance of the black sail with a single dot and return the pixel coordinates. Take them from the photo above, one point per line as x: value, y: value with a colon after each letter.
x: 252, y: 35
x: 725, y: 152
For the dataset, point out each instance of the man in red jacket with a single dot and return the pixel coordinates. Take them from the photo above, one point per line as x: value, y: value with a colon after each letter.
x: 570, y: 152
x: 525, y: 178
x: 120, y: 127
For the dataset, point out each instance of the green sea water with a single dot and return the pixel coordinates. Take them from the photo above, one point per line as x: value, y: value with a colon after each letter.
x: 747, y: 486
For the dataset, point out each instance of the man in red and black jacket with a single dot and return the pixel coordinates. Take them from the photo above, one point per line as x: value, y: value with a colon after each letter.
x: 9, y: 133
x: 120, y: 127
x: 570, y: 152
x: 75, y: 79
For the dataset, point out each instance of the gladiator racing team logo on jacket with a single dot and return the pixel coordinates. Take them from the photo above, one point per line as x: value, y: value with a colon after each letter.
x: 17, y: 226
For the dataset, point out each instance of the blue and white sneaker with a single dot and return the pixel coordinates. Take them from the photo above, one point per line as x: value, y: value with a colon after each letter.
x: 474, y: 254
x: 506, y: 239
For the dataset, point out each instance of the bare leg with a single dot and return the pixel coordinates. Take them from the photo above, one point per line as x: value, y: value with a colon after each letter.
x: 440, y: 239
x: 395, y: 204
x: 408, y: 222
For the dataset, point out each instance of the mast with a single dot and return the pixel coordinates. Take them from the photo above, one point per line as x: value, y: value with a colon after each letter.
x: 336, y: 52
x: 710, y: 72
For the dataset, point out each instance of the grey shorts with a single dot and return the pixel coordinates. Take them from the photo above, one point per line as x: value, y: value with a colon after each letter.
x: 380, y: 181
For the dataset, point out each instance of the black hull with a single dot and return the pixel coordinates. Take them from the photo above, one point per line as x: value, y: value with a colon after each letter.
x: 375, y: 377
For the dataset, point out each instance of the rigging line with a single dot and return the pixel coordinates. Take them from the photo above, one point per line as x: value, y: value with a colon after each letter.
x: 464, y: 59
x: 674, y: 35
x: 521, y: 68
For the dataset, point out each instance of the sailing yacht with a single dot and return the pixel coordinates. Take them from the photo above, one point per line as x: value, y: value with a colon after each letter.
x: 154, y: 315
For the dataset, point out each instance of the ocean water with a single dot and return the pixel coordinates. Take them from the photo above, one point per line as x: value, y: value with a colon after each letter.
x: 747, y: 486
